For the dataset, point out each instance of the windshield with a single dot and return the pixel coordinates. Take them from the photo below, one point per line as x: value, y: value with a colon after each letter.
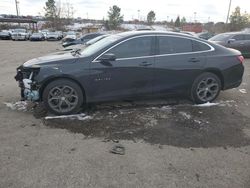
x: 71, y: 33
x: 20, y: 30
x: 220, y: 37
x: 94, y: 48
x: 37, y: 34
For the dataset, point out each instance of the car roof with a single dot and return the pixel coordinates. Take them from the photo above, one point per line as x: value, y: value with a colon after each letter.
x: 152, y: 32
x: 233, y: 33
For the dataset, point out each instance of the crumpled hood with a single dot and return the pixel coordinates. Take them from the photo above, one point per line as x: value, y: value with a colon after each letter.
x: 55, y: 58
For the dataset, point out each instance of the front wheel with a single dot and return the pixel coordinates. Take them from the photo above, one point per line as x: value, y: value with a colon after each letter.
x: 63, y: 97
x: 205, y: 88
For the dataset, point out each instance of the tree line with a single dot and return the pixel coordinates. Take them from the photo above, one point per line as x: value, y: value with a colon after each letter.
x: 56, y: 13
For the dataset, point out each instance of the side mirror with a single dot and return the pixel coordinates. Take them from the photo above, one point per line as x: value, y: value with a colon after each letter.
x: 107, y: 57
x: 230, y: 41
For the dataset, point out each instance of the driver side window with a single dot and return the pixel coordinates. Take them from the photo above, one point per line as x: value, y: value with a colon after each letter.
x: 136, y: 47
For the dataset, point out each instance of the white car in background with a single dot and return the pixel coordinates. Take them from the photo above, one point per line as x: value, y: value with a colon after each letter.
x: 20, y: 34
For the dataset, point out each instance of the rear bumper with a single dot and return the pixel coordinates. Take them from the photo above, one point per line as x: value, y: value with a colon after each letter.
x: 233, y: 76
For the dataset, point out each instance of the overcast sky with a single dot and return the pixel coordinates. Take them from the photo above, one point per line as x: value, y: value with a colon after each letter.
x: 212, y: 10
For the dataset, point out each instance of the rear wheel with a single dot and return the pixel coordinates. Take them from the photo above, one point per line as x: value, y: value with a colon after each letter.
x: 63, y: 97
x: 205, y: 88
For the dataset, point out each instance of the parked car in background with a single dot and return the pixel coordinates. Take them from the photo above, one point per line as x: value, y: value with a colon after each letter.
x: 83, y: 46
x: 205, y: 35
x: 60, y: 34
x: 53, y: 36
x: 131, y: 65
x: 82, y: 40
x: 45, y: 32
x: 20, y: 34
x: 6, y: 35
x: 236, y: 40
x: 69, y: 36
x: 189, y: 33
x: 37, y: 37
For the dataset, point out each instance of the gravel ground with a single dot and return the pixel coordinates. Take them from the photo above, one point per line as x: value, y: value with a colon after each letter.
x: 168, y: 143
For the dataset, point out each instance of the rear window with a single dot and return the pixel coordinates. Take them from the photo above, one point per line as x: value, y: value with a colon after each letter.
x: 170, y: 45
x: 199, y: 46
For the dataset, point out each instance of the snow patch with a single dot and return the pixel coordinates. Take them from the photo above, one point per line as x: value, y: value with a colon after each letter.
x: 80, y: 117
x: 243, y: 91
x: 185, y: 115
x: 20, y: 105
x: 208, y: 104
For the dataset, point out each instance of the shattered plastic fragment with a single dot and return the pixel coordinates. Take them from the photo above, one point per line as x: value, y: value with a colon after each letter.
x: 243, y: 91
x: 118, y: 149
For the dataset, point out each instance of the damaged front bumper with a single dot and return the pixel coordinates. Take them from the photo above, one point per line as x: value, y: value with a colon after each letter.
x: 27, y: 83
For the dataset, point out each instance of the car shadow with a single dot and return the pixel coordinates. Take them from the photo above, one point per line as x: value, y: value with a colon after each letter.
x: 182, y: 125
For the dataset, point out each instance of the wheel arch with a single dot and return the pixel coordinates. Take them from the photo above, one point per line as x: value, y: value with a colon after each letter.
x: 51, y: 79
x: 218, y: 73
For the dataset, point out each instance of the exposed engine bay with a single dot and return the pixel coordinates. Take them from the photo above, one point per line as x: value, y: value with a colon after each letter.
x: 29, y: 88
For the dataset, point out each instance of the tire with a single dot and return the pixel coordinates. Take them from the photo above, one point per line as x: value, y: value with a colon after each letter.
x: 206, y: 88
x: 63, y: 97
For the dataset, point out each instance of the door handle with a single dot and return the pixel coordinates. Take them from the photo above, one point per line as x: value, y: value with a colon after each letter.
x: 194, y: 60
x: 145, y: 64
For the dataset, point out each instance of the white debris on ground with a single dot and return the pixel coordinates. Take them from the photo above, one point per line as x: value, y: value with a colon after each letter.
x: 185, y: 115
x: 243, y: 91
x: 166, y: 108
x: 197, y: 121
x: 208, y: 104
x: 19, y: 105
x: 80, y: 117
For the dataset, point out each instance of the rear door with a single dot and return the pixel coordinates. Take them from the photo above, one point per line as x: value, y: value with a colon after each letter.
x: 129, y: 75
x: 247, y: 45
x: 178, y: 62
x: 238, y: 43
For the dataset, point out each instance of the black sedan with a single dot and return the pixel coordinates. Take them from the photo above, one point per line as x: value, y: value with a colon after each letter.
x: 5, y: 35
x: 236, y: 40
x: 37, y: 37
x: 82, y: 40
x: 131, y: 65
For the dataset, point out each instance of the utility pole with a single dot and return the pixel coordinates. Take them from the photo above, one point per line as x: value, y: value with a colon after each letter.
x: 17, y: 7
x: 229, y: 7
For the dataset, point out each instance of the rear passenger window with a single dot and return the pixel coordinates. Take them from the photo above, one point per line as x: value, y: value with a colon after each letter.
x: 171, y: 45
x: 198, y: 46
x: 238, y: 37
x: 247, y: 37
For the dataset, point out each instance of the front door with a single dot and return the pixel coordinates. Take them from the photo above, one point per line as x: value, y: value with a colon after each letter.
x: 129, y: 75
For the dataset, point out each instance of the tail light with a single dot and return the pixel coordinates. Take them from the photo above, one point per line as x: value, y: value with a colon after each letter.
x: 240, y: 58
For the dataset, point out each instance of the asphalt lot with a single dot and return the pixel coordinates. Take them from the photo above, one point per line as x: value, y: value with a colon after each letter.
x: 168, y: 143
